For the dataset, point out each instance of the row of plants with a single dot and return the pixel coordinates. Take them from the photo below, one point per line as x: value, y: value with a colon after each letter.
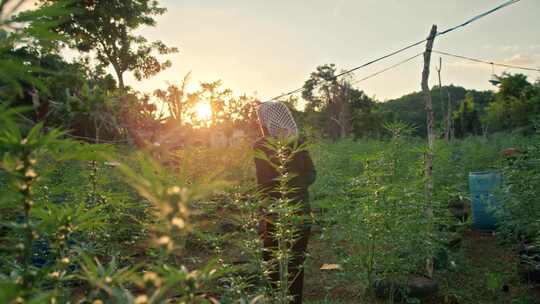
x: 519, y: 211
x: 102, y: 224
x: 98, y: 220
x: 374, y: 208
x: 62, y: 241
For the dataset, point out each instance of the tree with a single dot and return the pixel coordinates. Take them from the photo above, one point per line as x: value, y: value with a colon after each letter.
x: 335, y: 99
x: 467, y: 118
x: 106, y: 28
x: 515, y: 105
x: 515, y: 85
x: 177, y: 100
x: 20, y: 32
x: 216, y: 97
x: 365, y: 120
x: 410, y: 108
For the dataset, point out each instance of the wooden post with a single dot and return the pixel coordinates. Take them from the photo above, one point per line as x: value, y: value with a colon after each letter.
x: 431, y: 138
x: 448, y: 118
x: 445, y: 121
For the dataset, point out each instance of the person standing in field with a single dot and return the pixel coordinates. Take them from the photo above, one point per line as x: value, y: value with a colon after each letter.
x: 277, y: 122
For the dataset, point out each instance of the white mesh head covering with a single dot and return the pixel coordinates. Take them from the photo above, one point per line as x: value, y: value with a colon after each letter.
x: 277, y: 119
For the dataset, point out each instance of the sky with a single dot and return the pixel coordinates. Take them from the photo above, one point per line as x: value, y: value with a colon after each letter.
x: 266, y: 48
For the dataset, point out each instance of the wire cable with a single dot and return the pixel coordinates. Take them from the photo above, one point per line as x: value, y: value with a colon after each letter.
x: 469, y: 21
x: 491, y: 11
x: 487, y: 62
x: 387, y: 69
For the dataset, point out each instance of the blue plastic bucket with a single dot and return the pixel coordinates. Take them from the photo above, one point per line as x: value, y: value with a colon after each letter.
x: 484, y: 187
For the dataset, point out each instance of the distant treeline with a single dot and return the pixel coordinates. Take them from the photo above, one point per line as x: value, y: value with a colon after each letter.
x: 336, y: 109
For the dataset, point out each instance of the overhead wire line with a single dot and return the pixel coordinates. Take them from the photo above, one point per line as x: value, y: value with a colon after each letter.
x: 491, y: 11
x: 469, y: 21
x: 487, y: 62
x: 387, y: 69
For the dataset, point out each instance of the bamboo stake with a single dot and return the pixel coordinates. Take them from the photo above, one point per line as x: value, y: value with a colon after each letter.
x: 431, y: 138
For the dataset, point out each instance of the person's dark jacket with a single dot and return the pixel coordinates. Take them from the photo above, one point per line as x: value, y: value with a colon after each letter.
x: 301, y: 166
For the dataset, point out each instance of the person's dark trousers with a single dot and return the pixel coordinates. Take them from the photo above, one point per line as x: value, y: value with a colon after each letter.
x: 296, y: 269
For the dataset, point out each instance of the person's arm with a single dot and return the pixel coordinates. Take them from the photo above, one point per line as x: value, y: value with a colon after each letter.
x: 309, y: 168
x: 265, y: 176
x: 265, y: 172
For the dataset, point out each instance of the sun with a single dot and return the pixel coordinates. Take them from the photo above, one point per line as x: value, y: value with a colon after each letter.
x: 203, y: 111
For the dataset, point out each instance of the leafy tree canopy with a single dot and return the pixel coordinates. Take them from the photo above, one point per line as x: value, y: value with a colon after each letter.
x: 106, y: 27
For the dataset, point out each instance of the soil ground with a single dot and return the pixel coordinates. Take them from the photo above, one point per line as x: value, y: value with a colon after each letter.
x: 480, y: 271
x: 484, y: 272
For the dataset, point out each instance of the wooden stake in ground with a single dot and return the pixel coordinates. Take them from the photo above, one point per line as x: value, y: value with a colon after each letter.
x: 431, y: 138
x: 446, y: 119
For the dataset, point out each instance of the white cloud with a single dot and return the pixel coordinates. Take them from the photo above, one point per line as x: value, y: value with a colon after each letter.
x: 512, y: 48
x: 523, y: 60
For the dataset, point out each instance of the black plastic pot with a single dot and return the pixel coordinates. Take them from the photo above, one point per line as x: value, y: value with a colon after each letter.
x: 529, y: 263
x: 460, y: 208
x: 416, y: 287
x: 386, y: 289
x: 422, y: 287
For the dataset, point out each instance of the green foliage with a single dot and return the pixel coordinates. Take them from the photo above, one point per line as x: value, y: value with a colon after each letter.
x: 28, y: 28
x: 334, y: 106
x: 467, y: 117
x: 24, y: 224
x: 101, y: 224
x: 515, y: 105
x: 85, y: 229
x: 410, y: 108
x: 90, y: 112
x: 381, y: 229
x: 107, y: 28
x: 519, y: 215
x: 177, y: 100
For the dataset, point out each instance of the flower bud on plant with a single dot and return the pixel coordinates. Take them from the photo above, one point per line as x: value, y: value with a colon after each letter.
x: 142, y: 299
x: 55, y: 275
x: 152, y: 277
x: 30, y: 173
x: 173, y: 190
x: 178, y: 222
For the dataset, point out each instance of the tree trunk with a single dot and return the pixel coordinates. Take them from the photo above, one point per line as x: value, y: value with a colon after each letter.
x: 120, y: 76
x: 431, y: 138
x: 344, y: 110
x: 97, y: 127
